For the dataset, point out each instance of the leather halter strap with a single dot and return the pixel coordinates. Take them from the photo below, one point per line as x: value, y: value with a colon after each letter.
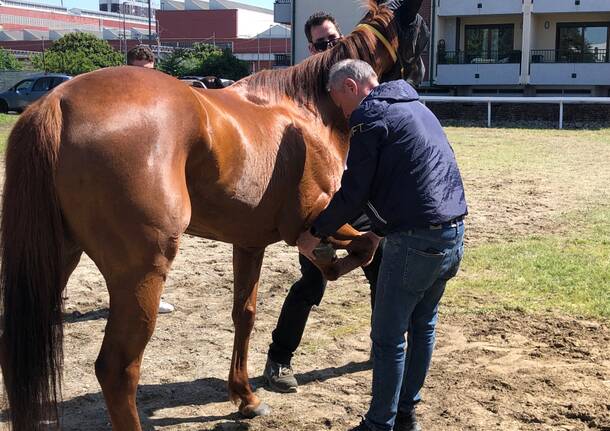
x: 383, y: 40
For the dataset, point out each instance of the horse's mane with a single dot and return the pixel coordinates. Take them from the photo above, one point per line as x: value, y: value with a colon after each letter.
x: 305, y: 83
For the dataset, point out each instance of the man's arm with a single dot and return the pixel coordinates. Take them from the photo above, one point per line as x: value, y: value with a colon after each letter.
x: 365, y: 141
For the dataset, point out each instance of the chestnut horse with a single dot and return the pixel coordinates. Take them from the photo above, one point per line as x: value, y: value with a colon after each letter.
x: 120, y: 162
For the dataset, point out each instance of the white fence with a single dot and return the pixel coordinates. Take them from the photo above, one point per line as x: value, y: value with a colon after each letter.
x: 561, y: 101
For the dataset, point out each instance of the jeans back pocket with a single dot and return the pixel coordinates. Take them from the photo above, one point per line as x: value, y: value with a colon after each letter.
x: 423, y: 268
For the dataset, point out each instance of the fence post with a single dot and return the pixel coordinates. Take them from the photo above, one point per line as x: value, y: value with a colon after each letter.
x: 489, y: 113
x: 560, y: 115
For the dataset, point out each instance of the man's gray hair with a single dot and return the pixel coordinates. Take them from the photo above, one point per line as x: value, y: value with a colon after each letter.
x: 357, y: 70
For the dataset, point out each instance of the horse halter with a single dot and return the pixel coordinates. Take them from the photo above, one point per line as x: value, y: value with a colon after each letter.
x: 382, y: 39
x: 391, y: 50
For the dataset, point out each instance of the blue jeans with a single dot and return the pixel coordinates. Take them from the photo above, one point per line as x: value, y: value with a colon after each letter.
x: 415, y: 268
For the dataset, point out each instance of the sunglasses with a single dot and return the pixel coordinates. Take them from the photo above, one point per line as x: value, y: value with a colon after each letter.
x: 323, y: 45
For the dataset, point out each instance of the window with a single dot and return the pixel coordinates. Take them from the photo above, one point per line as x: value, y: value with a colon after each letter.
x: 489, y: 43
x: 43, y: 84
x: 24, y: 85
x: 583, y: 42
x: 58, y: 80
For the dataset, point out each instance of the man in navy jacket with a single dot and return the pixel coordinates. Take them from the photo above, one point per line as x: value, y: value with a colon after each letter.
x: 402, y: 171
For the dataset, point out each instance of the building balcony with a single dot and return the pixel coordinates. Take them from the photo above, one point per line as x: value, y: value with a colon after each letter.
x: 564, y: 6
x: 562, y: 67
x: 459, y: 68
x: 282, y: 11
x: 480, y: 7
x: 282, y: 60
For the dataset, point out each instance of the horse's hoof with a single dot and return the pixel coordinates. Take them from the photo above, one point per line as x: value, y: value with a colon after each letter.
x: 250, y: 412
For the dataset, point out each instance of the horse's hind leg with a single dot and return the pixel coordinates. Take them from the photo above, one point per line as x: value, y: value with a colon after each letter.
x: 135, y: 289
x: 246, y: 267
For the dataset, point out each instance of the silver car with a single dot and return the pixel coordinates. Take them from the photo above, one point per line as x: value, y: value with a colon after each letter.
x: 27, y: 91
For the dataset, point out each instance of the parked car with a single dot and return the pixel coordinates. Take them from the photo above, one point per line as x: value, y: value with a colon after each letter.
x: 27, y: 91
x: 210, y: 82
x: 192, y: 81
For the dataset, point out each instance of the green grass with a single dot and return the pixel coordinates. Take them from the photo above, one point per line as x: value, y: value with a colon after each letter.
x: 6, y: 124
x: 556, y: 273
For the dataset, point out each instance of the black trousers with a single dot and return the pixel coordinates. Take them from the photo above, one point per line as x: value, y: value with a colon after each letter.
x: 304, y: 294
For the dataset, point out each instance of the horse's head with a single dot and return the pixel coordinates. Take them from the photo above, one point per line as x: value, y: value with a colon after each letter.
x: 408, y: 35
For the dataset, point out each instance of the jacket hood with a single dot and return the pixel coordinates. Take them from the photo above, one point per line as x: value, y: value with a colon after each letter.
x: 394, y: 91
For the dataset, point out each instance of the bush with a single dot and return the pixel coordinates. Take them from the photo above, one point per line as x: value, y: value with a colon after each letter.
x: 8, y: 61
x: 204, y: 60
x: 77, y: 53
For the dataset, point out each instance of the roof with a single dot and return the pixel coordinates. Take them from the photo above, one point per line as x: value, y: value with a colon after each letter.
x: 24, y: 4
x: 277, y: 31
x: 228, y: 4
x: 196, y: 5
x: 48, y: 75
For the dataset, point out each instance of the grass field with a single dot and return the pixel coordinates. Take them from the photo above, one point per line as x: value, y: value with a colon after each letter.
x: 540, y: 221
x: 6, y: 123
x: 539, y: 224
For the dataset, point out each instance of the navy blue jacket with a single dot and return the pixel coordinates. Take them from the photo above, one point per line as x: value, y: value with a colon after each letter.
x: 400, y: 169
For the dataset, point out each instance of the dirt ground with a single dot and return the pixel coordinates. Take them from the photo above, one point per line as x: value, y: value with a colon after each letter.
x: 495, y: 371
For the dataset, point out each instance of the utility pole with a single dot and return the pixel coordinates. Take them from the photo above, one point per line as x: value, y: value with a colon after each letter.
x: 124, y: 32
x: 149, y: 24
x: 158, y: 39
x: 44, y: 66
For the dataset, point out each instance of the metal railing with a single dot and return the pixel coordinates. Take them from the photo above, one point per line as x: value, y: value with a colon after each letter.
x: 569, y: 56
x: 282, y: 60
x: 484, y: 57
x: 561, y: 101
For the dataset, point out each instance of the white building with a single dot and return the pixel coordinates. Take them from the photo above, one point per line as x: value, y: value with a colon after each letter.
x: 510, y: 47
x: 251, y: 20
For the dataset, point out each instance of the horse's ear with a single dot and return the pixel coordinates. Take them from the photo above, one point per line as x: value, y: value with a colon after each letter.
x: 408, y: 8
x: 411, y: 8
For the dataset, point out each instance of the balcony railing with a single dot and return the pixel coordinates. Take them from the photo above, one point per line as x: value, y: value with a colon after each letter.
x: 282, y: 60
x: 569, y: 56
x: 486, y: 57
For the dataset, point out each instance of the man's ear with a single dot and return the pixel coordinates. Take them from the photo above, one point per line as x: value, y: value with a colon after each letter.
x: 351, y: 85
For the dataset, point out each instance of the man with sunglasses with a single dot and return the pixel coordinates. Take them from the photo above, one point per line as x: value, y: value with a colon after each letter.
x: 323, y: 33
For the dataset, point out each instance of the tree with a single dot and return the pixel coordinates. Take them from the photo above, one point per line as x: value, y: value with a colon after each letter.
x: 8, y: 61
x: 225, y: 65
x: 77, y: 53
x: 204, y: 60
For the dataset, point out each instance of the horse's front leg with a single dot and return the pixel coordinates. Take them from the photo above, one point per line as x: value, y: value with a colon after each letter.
x: 247, y: 268
x: 361, y: 249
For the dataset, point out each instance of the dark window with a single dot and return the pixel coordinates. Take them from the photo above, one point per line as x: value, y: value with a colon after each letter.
x: 114, y: 7
x: 104, y: 7
x: 24, y: 85
x: 43, y: 84
x: 582, y: 42
x: 486, y: 43
x: 57, y: 81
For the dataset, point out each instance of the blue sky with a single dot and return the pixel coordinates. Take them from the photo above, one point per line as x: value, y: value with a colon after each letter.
x: 93, y: 4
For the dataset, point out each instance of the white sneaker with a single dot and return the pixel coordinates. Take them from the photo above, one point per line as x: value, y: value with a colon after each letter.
x: 165, y: 307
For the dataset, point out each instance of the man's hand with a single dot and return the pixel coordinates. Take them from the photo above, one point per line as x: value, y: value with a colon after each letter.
x: 307, y: 243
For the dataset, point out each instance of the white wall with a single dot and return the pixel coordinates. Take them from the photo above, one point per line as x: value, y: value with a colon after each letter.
x: 250, y: 23
x: 546, y: 38
x: 446, y: 30
x: 347, y: 12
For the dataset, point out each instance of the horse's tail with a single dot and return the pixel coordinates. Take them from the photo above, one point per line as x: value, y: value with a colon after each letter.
x: 31, y: 244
